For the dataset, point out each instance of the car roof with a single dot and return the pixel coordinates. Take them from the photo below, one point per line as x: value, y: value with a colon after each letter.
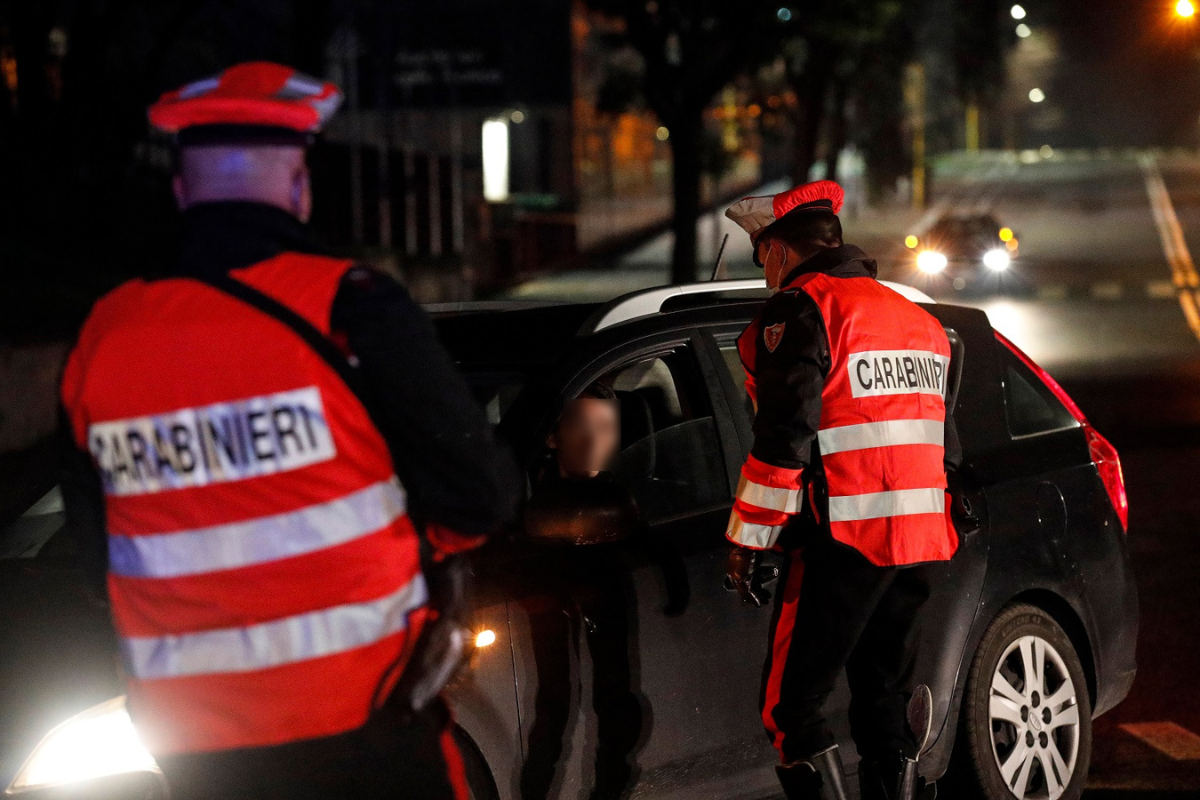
x: 518, y: 335
x: 526, y: 334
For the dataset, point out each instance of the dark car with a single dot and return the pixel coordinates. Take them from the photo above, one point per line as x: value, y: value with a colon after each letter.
x: 964, y: 250
x: 595, y: 657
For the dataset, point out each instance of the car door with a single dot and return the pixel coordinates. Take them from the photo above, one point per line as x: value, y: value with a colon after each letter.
x: 692, y: 652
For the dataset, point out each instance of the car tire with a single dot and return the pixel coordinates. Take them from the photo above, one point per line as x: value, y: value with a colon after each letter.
x: 1025, y: 736
x: 480, y: 783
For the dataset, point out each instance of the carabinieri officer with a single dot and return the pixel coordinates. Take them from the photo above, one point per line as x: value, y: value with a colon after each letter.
x: 852, y: 441
x: 265, y: 519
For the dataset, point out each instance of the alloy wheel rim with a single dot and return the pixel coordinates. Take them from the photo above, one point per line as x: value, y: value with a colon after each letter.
x: 1033, y: 715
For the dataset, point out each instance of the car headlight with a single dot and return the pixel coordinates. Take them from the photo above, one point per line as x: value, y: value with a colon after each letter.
x: 996, y: 260
x: 931, y: 262
x: 97, y: 743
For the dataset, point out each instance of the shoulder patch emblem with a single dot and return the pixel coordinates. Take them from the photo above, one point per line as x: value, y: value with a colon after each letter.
x: 773, y: 335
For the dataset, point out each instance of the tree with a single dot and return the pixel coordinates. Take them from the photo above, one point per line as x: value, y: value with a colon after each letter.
x: 824, y: 60
x: 691, y: 50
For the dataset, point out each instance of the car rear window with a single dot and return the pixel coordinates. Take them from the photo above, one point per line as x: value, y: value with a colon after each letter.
x: 1030, y: 406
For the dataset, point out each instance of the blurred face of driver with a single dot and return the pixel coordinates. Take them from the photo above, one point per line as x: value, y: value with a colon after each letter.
x: 587, y: 437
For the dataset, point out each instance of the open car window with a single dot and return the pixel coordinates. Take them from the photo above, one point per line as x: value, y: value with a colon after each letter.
x: 670, y: 457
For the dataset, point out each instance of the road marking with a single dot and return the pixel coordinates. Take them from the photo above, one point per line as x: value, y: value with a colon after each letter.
x: 1183, y: 269
x: 1107, y: 291
x: 1168, y: 738
x: 1056, y: 291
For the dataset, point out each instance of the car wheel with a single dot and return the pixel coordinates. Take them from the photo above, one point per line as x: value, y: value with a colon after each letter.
x: 1028, y: 716
x: 480, y: 783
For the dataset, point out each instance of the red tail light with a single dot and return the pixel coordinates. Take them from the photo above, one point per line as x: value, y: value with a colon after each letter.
x: 1104, y: 455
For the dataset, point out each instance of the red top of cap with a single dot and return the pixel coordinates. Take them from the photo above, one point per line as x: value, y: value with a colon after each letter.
x: 819, y: 194
x: 257, y: 93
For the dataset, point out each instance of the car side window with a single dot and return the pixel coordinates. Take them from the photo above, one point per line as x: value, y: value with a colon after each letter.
x: 670, y: 457
x: 1030, y: 406
x: 733, y: 363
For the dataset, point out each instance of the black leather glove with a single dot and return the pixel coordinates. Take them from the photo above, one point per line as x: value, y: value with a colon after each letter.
x: 745, y: 575
x: 441, y: 651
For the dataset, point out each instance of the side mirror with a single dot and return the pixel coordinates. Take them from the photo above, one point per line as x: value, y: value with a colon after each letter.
x: 580, y: 512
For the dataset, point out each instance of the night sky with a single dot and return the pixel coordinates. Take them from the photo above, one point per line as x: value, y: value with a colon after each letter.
x: 1129, y: 72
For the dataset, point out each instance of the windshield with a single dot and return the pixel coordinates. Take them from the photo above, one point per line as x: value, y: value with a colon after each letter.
x: 964, y: 228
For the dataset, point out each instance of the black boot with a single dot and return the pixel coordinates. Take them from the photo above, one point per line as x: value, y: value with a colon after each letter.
x: 890, y: 777
x: 818, y: 777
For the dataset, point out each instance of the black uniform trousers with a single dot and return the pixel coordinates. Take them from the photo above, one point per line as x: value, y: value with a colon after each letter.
x: 395, y: 756
x: 835, y: 609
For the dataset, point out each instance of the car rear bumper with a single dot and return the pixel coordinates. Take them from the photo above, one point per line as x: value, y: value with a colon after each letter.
x: 1113, y: 599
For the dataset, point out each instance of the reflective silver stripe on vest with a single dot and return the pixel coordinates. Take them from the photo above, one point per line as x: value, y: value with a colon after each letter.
x: 750, y: 534
x: 773, y: 497
x: 876, y: 505
x: 258, y: 541
x: 881, y: 434
x: 274, y: 644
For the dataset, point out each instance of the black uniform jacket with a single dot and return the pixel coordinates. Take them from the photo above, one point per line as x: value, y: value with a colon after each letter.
x: 790, y: 379
x: 454, y: 473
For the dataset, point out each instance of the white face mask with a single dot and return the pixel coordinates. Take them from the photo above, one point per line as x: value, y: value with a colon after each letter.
x: 774, y: 251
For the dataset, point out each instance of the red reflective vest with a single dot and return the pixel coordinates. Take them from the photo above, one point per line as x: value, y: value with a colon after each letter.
x: 881, y: 435
x: 264, y: 576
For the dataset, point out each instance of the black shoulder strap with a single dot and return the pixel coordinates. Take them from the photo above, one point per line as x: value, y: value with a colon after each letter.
x: 319, y: 342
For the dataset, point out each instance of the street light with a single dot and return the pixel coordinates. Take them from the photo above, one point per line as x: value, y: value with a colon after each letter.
x: 1185, y: 9
x: 1036, y: 95
x: 1018, y: 12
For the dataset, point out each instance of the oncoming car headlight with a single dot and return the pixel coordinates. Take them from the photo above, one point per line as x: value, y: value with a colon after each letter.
x: 996, y: 260
x: 931, y: 262
x: 97, y: 743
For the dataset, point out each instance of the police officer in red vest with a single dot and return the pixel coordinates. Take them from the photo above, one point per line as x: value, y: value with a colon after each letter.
x: 279, y: 455
x: 847, y: 475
